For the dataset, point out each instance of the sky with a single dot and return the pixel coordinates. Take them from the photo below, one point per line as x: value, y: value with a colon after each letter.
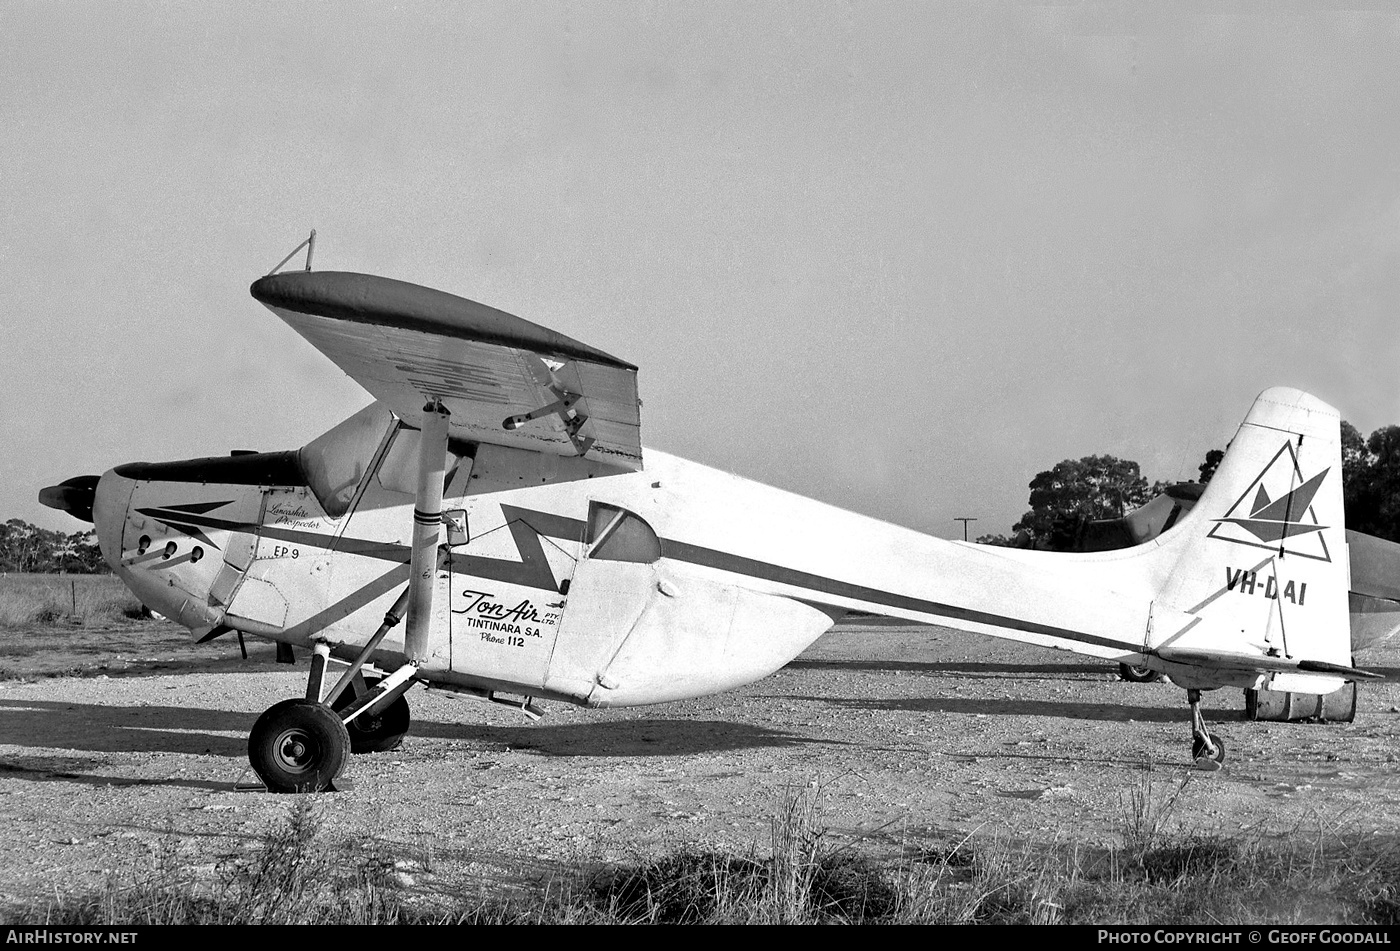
x: 899, y: 257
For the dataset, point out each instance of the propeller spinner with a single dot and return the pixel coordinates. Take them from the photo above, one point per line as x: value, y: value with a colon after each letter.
x: 74, y: 496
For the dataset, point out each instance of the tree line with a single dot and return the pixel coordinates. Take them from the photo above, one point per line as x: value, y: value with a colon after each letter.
x: 1102, y: 487
x: 1371, y: 481
x: 29, y: 548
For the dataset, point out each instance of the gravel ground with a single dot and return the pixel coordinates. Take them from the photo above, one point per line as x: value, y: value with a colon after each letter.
x: 908, y: 736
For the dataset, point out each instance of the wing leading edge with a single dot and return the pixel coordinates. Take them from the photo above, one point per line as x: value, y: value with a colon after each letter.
x: 506, y: 381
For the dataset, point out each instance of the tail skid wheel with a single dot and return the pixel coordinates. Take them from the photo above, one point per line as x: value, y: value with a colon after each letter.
x: 1206, y: 748
x: 1209, y: 755
x: 1138, y: 675
x: 298, y: 746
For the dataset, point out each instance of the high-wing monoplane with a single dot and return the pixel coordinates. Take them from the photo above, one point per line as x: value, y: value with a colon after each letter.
x: 495, y: 499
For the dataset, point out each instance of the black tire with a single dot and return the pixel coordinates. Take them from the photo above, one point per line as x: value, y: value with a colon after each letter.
x: 1210, y: 761
x: 1138, y: 675
x: 298, y: 746
x: 380, y: 732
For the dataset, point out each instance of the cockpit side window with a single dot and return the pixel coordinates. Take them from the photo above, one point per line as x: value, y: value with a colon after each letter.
x: 336, y: 461
x: 615, y: 534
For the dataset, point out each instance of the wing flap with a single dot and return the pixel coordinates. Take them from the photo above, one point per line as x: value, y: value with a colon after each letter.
x: 408, y: 345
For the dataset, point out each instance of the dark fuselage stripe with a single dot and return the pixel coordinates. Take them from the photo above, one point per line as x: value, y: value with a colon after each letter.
x: 735, y: 564
x: 563, y: 527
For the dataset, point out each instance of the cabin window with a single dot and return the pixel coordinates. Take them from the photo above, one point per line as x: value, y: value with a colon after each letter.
x: 336, y: 461
x: 399, y: 470
x: 615, y: 534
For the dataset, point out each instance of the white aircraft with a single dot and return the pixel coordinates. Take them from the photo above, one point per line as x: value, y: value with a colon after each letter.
x: 496, y: 498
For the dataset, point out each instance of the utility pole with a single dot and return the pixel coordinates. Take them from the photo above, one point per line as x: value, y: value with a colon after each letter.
x: 964, y: 521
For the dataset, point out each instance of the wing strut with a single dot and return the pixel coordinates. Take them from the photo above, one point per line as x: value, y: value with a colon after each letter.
x: 417, y: 599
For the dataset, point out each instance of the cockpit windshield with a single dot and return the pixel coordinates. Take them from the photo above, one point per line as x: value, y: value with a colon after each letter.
x: 336, y: 461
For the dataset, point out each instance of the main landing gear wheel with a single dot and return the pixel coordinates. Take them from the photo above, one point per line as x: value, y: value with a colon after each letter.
x: 1207, y: 749
x: 376, y: 732
x: 1138, y: 675
x: 298, y: 746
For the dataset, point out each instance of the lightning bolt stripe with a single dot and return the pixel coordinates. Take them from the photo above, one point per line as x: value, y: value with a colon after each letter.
x: 527, y: 525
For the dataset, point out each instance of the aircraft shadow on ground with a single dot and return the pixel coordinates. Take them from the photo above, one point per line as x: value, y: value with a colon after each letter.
x: 1034, y: 671
x: 198, y: 665
x: 107, y: 667
x: 1020, y: 707
x: 93, y: 728
x: 99, y: 728
x: 54, y: 770
x: 636, y: 738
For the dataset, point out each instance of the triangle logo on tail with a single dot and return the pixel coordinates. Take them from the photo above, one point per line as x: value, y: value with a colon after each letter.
x: 1275, y: 511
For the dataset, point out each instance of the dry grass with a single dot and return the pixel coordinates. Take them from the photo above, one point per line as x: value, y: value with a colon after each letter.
x: 1163, y: 873
x: 292, y: 877
x: 108, y: 635
x: 806, y: 877
x: 28, y: 600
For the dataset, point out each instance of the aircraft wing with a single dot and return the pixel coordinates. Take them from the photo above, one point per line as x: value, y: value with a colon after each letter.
x: 505, y: 380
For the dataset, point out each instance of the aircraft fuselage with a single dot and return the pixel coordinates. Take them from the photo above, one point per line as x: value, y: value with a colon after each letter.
x: 563, y: 578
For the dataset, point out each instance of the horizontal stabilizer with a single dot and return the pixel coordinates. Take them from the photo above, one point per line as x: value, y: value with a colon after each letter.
x: 1228, y: 660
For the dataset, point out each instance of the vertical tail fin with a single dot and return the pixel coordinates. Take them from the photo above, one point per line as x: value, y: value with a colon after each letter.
x: 1261, y: 567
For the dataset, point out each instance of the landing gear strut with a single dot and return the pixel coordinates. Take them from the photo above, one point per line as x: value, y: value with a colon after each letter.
x: 301, y: 745
x: 374, y: 732
x: 1207, y: 749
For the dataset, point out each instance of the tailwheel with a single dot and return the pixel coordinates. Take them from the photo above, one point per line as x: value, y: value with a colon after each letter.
x: 1138, y: 674
x: 1207, y: 749
x: 377, y: 732
x: 298, y: 746
x: 1208, y: 752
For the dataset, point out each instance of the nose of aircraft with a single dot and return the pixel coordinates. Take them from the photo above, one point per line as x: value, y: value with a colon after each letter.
x: 101, y: 500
